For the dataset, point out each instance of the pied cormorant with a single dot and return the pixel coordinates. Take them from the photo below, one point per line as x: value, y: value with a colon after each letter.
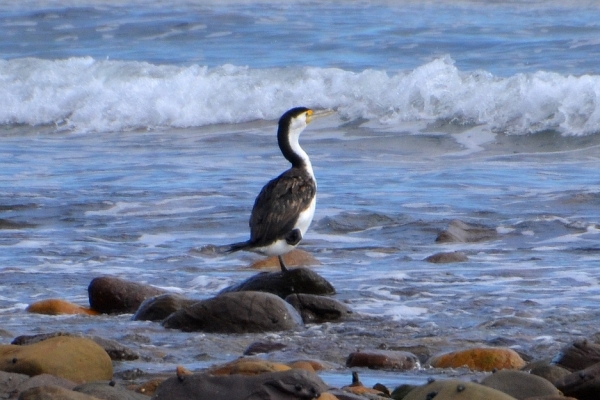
x: 285, y: 206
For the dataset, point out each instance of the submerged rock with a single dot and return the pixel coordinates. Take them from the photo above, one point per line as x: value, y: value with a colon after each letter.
x: 238, y: 312
x: 383, y: 359
x: 479, y: 359
x: 318, y: 309
x: 282, y: 284
x: 110, y: 295
x: 446, y: 258
x: 462, y: 232
x: 159, y: 307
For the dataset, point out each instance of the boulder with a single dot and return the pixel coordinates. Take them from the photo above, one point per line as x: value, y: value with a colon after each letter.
x: 72, y: 358
x: 237, y: 312
x: 286, y: 385
x: 159, y: 307
x: 110, y: 295
x: 383, y: 359
x: 583, y: 385
x: 318, y: 309
x: 10, y: 382
x: 455, y: 390
x: 58, y: 307
x: 446, y: 258
x: 295, y: 258
x: 46, y: 380
x: 550, y: 372
x: 479, y: 359
x: 282, y: 284
x: 248, y: 366
x: 519, y: 384
x: 461, y: 232
x: 54, y: 393
x: 578, y: 355
x: 108, y: 390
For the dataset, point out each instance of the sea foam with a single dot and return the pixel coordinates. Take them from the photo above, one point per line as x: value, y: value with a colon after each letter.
x: 89, y: 95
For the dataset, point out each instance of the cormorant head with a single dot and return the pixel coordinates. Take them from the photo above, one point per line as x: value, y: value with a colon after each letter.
x: 295, y: 119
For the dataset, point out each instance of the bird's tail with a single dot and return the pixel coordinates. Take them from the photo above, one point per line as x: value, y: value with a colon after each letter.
x: 237, y: 247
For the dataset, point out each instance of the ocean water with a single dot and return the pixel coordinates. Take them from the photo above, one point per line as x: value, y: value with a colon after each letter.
x: 135, y: 135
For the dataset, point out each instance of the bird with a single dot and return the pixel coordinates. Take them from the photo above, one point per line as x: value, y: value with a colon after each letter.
x: 284, y: 208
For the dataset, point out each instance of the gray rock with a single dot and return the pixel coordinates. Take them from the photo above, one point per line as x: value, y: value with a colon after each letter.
x: 53, y: 393
x: 519, y: 384
x: 112, y: 295
x: 9, y: 383
x: 318, y: 309
x: 287, y: 385
x: 578, y: 355
x: 446, y: 258
x: 238, y: 312
x: 108, y: 391
x: 583, y: 385
x: 46, y: 380
x: 383, y: 359
x: 159, y: 307
x: 462, y: 232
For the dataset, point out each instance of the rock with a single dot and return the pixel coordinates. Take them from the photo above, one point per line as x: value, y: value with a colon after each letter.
x: 238, y: 312
x: 73, y: 358
x: 583, y: 385
x: 114, y: 349
x: 248, y: 366
x: 108, y: 390
x: 295, y: 258
x: 401, y: 391
x: 559, y: 397
x: 285, y: 385
x: 479, y: 359
x: 46, y: 380
x: 10, y: 382
x: 551, y: 373
x: 455, y: 390
x: 578, y: 355
x: 159, y: 307
x: 445, y: 258
x: 263, y: 347
x: 383, y: 359
x: 58, y: 307
x: 282, y: 284
x: 148, y: 388
x: 340, y: 394
x: 54, y: 393
x: 462, y: 232
x: 519, y: 384
x: 318, y: 309
x: 357, y: 387
x: 110, y: 295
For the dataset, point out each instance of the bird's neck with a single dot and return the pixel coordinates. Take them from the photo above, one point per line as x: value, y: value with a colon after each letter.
x: 291, y: 150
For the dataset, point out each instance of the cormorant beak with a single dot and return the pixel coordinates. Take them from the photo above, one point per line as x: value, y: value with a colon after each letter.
x: 312, y: 114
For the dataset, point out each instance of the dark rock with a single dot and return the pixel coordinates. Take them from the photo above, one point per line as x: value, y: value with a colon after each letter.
x: 318, y: 309
x: 519, y: 384
x: 383, y: 359
x: 578, y: 355
x: 263, y: 347
x: 238, y: 312
x: 422, y: 352
x: 551, y: 373
x: 401, y: 391
x: 108, y: 391
x: 159, y: 307
x: 112, y: 295
x: 583, y: 385
x: 54, y: 393
x: 282, y: 284
x: 9, y: 383
x: 445, y: 258
x: 287, y: 385
x: 462, y: 232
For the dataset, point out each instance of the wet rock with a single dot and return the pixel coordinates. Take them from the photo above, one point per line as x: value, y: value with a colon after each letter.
x: 318, y: 309
x: 58, y: 307
x: 159, y: 307
x: 54, y: 393
x: 108, y: 390
x: 383, y: 359
x: 462, y: 232
x: 73, y: 358
x: 110, y: 295
x: 248, y: 366
x: 578, y: 355
x: 519, y: 384
x: 551, y: 373
x: 295, y: 258
x: 286, y: 385
x: 282, y: 284
x: 238, y: 312
x: 263, y: 347
x: 446, y: 258
x: 358, y: 388
x: 340, y: 394
x: 401, y: 391
x: 423, y: 353
x: 46, y: 380
x: 9, y: 383
x: 148, y: 388
x: 455, y: 390
x: 7, y: 224
x: 479, y: 359
x: 583, y: 385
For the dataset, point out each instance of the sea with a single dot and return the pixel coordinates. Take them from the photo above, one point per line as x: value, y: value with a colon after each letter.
x: 135, y: 135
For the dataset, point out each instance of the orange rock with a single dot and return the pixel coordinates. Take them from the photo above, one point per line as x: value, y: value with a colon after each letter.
x: 479, y: 359
x: 148, y: 388
x: 327, y: 396
x: 57, y: 307
x: 295, y: 258
x: 248, y: 366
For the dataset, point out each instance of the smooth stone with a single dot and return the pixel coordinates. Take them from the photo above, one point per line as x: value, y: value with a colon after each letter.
x: 519, y: 384
x: 357, y: 387
x: 551, y: 373
x: 479, y: 359
x: 72, y: 358
x: 237, y: 312
x: 159, y: 307
x: 295, y: 258
x: 54, y: 393
x: 455, y: 390
x: 555, y: 397
x: 46, y: 380
x: 110, y: 295
x: 446, y: 258
x: 107, y: 390
x: 578, y: 355
x: 383, y: 359
x: 10, y: 382
x: 263, y: 348
x: 344, y: 395
x: 583, y: 385
x: 285, y: 385
x: 282, y: 284
x: 462, y: 232
x: 248, y: 366
x: 58, y: 307
x: 318, y: 309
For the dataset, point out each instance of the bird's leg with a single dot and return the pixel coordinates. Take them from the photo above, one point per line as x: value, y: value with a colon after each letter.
x: 282, y: 264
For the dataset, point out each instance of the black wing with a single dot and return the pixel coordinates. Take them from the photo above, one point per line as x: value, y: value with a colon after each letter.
x: 276, y: 208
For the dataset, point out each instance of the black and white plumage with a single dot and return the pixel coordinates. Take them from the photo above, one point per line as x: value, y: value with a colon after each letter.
x: 285, y: 206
